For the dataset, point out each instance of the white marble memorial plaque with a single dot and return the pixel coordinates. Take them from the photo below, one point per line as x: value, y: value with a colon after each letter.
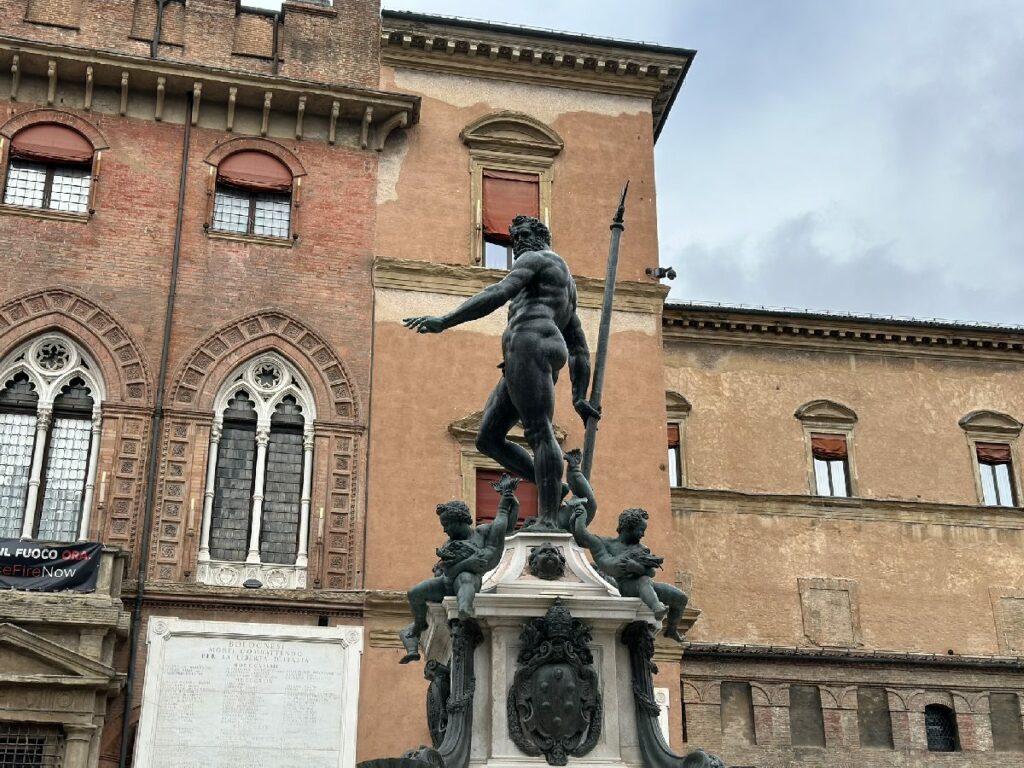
x: 232, y: 695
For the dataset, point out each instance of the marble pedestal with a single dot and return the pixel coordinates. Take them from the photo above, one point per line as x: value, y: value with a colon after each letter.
x: 510, y: 596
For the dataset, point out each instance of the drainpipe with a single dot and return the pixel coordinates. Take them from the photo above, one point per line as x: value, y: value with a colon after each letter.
x: 154, y: 439
x: 154, y: 46
x: 274, y: 46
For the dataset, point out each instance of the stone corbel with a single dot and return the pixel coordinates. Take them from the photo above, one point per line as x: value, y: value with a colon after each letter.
x: 332, y: 131
x: 51, y: 87
x: 299, y: 114
x: 87, y: 105
x: 161, y: 90
x: 265, y: 125
x: 232, y: 97
x: 197, y: 97
x: 15, y: 76
x: 384, y: 129
x: 124, y: 93
x: 364, y: 137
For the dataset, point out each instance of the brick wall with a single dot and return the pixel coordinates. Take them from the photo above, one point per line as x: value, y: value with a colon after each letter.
x: 337, y: 44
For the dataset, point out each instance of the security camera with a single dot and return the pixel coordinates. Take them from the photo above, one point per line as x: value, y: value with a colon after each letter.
x: 659, y: 273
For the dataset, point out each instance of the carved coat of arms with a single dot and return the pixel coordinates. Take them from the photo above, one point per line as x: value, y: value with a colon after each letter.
x: 554, y: 704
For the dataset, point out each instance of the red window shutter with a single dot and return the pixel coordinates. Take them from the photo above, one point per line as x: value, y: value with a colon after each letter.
x: 507, y: 195
x: 673, y: 435
x: 993, y: 453
x: 51, y: 143
x: 487, y: 498
x: 255, y: 170
x: 828, y: 447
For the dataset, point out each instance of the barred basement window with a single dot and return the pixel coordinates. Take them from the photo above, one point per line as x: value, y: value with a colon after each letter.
x: 940, y: 728
x: 23, y: 745
x: 256, y: 503
x: 253, y: 195
x: 50, y: 167
x: 49, y: 440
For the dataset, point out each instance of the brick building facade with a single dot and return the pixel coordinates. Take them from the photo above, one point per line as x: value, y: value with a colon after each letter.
x: 209, y: 245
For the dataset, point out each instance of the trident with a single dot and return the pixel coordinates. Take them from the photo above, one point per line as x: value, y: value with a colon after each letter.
x: 597, y: 385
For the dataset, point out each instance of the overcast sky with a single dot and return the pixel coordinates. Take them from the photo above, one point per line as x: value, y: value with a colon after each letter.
x: 862, y: 156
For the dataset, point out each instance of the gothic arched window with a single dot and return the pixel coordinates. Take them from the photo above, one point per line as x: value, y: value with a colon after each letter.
x: 50, y: 395
x: 256, y: 504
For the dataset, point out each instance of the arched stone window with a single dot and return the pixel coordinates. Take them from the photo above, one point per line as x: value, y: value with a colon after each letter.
x: 50, y: 166
x: 940, y: 728
x: 256, y: 502
x: 253, y: 195
x: 50, y: 396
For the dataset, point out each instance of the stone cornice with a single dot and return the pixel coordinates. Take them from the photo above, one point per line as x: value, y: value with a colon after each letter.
x: 378, y: 112
x: 837, y: 333
x: 521, y: 54
x: 735, y: 651
x: 691, y: 500
x: 349, y: 603
x: 464, y: 280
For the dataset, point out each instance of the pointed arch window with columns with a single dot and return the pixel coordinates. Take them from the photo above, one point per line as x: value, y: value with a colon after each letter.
x: 258, y: 478
x: 50, y: 425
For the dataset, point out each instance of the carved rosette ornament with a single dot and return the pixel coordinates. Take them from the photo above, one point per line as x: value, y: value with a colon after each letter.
x: 554, y: 704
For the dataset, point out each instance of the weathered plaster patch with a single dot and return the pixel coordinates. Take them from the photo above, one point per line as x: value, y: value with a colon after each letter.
x: 389, y: 167
x: 543, y: 102
x: 393, y: 305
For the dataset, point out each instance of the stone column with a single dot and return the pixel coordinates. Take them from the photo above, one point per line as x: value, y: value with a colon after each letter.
x: 211, y: 480
x: 90, y: 473
x: 262, y: 439
x: 301, y: 557
x: 43, y: 418
x: 78, y: 740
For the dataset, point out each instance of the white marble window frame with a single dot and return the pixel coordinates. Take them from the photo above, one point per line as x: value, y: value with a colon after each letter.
x: 48, y: 382
x: 266, y: 397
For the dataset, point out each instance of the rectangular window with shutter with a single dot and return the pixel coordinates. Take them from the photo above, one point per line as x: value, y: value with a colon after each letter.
x: 505, y: 195
x: 995, y: 467
x: 675, y: 457
x: 831, y: 464
x: 487, y: 498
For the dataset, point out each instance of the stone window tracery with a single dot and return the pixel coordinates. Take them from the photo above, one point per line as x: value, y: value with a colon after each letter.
x: 257, y: 497
x: 50, y: 424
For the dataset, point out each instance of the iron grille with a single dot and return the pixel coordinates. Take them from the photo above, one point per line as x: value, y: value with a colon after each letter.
x: 30, y: 746
x: 940, y: 726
